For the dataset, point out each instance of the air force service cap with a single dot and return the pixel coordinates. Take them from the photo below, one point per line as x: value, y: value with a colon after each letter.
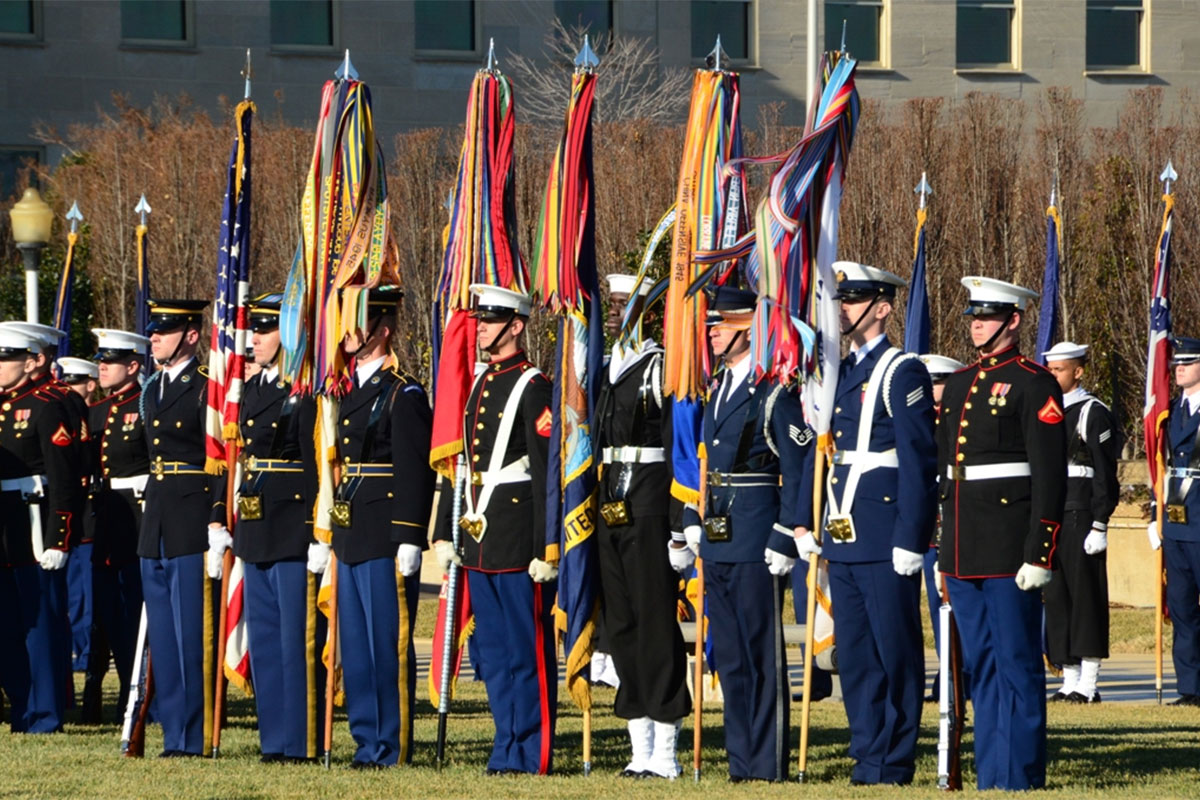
x: 1185, y: 350
x: 730, y: 307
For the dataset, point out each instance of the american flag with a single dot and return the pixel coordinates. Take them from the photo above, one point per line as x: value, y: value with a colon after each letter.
x: 227, y: 349
x: 1158, y: 369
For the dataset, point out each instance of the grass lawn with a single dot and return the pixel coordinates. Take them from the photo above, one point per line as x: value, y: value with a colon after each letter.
x: 1112, y: 750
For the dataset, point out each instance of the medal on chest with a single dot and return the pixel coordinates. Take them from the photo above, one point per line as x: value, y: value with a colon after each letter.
x: 999, y: 395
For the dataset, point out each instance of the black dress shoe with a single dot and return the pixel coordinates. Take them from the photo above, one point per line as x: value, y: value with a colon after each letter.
x: 367, y: 765
x: 300, y: 760
x: 1082, y: 699
x: 170, y: 754
x: 270, y: 758
x: 633, y: 773
x: 494, y: 773
x: 1185, y: 700
x: 1059, y: 697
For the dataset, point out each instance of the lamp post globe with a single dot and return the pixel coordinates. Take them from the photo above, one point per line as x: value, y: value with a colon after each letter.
x: 31, y: 219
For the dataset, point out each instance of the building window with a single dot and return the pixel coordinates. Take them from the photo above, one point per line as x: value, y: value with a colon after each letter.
x: 986, y: 33
x: 594, y: 16
x: 305, y: 24
x: 19, y: 19
x: 1114, y: 34
x: 729, y: 19
x: 156, y: 21
x: 445, y: 25
x: 864, y: 25
x: 13, y: 160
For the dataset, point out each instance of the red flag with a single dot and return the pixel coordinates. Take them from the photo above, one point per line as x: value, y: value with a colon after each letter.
x: 463, y: 625
x: 456, y: 373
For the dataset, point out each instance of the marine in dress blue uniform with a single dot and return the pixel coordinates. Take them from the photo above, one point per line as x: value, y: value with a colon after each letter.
x: 880, y: 498
x: 1003, y: 472
x: 273, y: 534
x: 40, y: 485
x: 114, y: 513
x: 635, y: 525
x: 1181, y: 525
x: 1077, y: 598
x: 511, y: 575
x: 381, y: 512
x: 755, y: 440
x: 178, y: 502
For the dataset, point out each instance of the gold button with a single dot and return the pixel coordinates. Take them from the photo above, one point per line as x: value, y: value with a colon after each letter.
x: 967, y: 406
x: 7, y: 406
x: 346, y: 440
x: 833, y: 480
x: 105, y: 444
x: 298, y: 497
x: 486, y: 393
x: 837, y: 409
x: 887, y: 499
x: 479, y: 426
x: 963, y: 423
x: 474, y: 441
x: 156, y: 423
x: 474, y: 458
x: 274, y: 425
x: 499, y: 414
x: 491, y: 378
x: 178, y: 423
x: 345, y: 422
x: 106, y: 430
x: 993, y: 412
x: 113, y: 410
x: 391, y: 495
x: 482, y: 410
x: 962, y: 440
x: 837, y: 435
x: 960, y: 457
x: 102, y: 458
x: 155, y: 441
x: 1003, y: 501
x: 250, y: 422
x: 974, y: 389
x: 515, y: 500
x: 1, y: 418
x: 982, y: 374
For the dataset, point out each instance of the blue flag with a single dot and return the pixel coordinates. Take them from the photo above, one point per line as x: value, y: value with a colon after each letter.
x: 1048, y: 313
x: 916, y: 319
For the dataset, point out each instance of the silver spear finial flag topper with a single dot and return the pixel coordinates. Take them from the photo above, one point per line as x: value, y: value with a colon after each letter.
x: 75, y: 216
x: 923, y: 190
x: 142, y: 209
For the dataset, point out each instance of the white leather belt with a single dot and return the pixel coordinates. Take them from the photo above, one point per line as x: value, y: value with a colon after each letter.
x: 1080, y: 471
x: 742, y: 479
x: 1182, y: 472
x: 516, y: 472
x: 135, y: 482
x: 985, y: 472
x: 32, y: 488
x: 867, y: 458
x: 30, y: 484
x: 633, y: 455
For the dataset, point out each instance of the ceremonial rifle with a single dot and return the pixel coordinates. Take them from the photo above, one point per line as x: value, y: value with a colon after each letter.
x: 141, y: 690
x: 952, y: 712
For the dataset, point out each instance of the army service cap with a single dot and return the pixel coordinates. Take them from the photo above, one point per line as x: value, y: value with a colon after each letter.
x: 170, y: 315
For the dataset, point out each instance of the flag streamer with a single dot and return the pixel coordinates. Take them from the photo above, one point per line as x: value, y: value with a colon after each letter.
x: 1048, y: 311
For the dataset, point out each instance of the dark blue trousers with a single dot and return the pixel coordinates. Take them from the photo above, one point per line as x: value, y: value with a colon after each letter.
x: 822, y: 681
x: 1000, y: 629
x: 934, y: 600
x: 36, y: 656
x: 877, y: 617
x: 1183, y: 601
x: 375, y: 615
x: 117, y: 605
x: 283, y: 627
x: 174, y: 594
x: 747, y: 638
x: 514, y: 634
x: 80, y: 603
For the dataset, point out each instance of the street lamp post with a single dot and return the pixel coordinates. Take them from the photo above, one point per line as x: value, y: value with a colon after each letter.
x: 31, y: 222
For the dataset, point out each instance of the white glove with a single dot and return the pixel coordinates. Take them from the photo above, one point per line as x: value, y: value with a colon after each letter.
x: 542, y: 571
x: 806, y: 545
x: 1095, y: 542
x: 681, y: 557
x: 443, y: 551
x: 938, y: 580
x: 408, y: 560
x: 778, y: 564
x: 53, y: 559
x: 1031, y: 578
x: 691, y: 535
x: 318, y: 557
x: 219, y: 541
x: 906, y: 562
x: 1152, y: 532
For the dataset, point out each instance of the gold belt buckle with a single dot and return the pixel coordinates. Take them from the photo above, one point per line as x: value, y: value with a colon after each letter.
x: 252, y: 464
x: 250, y: 506
x: 615, y: 513
x: 958, y: 473
x: 472, y: 525
x: 340, y: 513
x: 841, y: 528
x: 715, y: 479
x: 1177, y: 513
x: 156, y: 467
x: 477, y: 479
x: 718, y: 529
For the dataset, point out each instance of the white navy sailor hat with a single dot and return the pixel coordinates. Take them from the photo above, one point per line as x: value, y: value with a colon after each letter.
x: 940, y: 366
x: 1066, y: 351
x: 77, y: 369
x: 992, y: 296
x: 45, y: 335
x: 115, y: 345
x: 860, y: 282
x: 619, y: 283
x: 16, y: 343
x: 494, y: 303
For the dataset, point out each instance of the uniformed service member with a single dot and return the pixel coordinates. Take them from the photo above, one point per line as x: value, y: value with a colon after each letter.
x: 381, y: 510
x: 40, y: 484
x: 115, y: 493
x: 173, y: 539
x: 754, y: 438
x: 273, y: 533
x: 637, y: 517
x: 880, y: 505
x: 1181, y: 526
x: 511, y: 573
x: 1077, y: 598
x: 1003, y: 472
x: 79, y: 375
x: 939, y: 368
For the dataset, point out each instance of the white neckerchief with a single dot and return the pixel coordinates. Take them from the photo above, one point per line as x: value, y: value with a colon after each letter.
x: 737, y: 376
x: 1076, y: 395
x: 1193, y: 401
x: 621, y: 359
x: 362, y: 372
x: 860, y: 353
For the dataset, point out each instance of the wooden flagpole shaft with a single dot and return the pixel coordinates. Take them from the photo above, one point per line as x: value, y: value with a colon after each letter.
x: 810, y: 615
x: 698, y: 667
x: 226, y: 568
x: 587, y: 742
x: 330, y: 676
x: 1158, y: 588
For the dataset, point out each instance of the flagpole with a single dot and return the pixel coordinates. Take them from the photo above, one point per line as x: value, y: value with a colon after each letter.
x: 331, y: 670
x: 810, y: 615
x: 1168, y: 175
x: 698, y: 674
x: 810, y: 59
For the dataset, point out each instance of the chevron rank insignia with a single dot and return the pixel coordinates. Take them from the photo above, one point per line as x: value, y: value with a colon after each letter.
x: 1051, y: 414
x: 62, y: 436
x: 801, y: 436
x: 915, y: 396
x: 544, y: 423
